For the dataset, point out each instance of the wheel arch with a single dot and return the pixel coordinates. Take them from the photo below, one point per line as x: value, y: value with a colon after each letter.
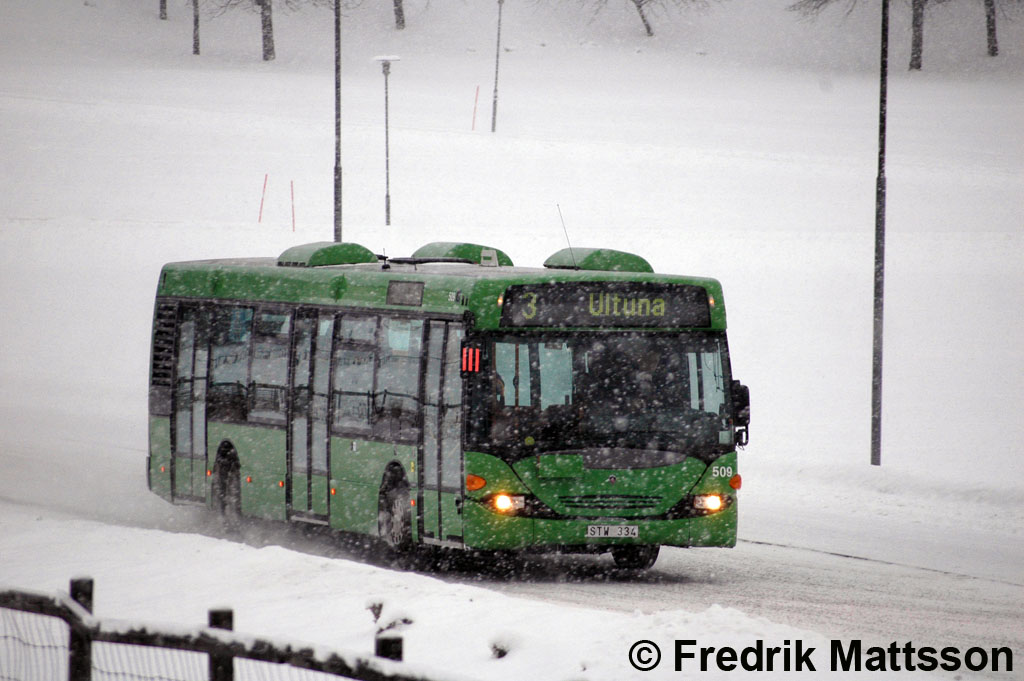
x: 227, y: 455
x: 394, y: 476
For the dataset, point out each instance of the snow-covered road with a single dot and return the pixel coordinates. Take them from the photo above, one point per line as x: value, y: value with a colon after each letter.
x: 156, y: 561
x: 296, y: 585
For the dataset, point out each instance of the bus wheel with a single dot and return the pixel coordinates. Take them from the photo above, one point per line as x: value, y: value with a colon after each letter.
x: 227, y: 492
x: 635, y: 557
x: 394, y: 517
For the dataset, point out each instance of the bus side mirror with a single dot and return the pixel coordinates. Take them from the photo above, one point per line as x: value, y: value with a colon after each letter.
x: 741, y: 403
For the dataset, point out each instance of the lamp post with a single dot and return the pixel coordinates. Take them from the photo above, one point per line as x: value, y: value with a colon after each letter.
x: 497, y: 58
x: 385, y: 63
x: 876, y: 358
x: 195, y: 27
x: 337, y: 120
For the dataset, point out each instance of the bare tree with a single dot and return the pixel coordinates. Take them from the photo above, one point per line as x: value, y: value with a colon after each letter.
x: 266, y: 10
x: 642, y: 6
x: 916, y: 33
x: 163, y: 9
x: 399, y: 15
x: 990, y: 20
x: 990, y: 27
x: 195, y: 27
x: 917, y: 20
x: 267, y: 22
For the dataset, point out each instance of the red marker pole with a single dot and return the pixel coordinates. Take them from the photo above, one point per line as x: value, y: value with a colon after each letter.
x: 476, y: 100
x: 263, y: 196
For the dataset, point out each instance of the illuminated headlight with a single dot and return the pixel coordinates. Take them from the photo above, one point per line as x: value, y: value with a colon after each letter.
x: 506, y: 503
x: 707, y: 502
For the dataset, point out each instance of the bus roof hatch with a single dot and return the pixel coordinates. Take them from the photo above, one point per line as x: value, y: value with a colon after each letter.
x: 604, y: 259
x: 472, y: 252
x: 323, y: 253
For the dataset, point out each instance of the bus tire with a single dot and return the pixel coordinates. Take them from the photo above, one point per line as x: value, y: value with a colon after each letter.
x: 635, y: 557
x: 394, y: 516
x: 227, y: 490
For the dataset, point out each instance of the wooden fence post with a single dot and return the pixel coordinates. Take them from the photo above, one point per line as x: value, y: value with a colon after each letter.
x: 79, y: 639
x: 388, y: 646
x: 222, y: 667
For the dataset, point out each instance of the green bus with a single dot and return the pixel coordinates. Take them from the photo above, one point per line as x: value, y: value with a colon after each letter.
x: 450, y: 399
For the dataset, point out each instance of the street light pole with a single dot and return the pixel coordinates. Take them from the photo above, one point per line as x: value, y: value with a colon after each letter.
x: 337, y: 120
x: 497, y: 58
x: 880, y: 186
x: 385, y: 63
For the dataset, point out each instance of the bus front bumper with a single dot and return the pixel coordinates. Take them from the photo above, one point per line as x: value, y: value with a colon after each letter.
x: 485, y: 529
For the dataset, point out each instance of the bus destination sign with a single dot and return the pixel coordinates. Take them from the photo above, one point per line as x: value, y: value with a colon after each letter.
x: 606, y: 304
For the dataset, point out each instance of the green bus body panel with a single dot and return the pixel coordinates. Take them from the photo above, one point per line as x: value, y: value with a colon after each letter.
x: 351, y: 508
x: 488, y: 530
x: 559, y: 466
x: 668, y: 482
x: 257, y: 279
x: 429, y: 513
x: 183, y: 476
x: 448, y: 289
x: 452, y: 524
x: 498, y: 474
x: 160, y: 455
x: 301, y: 485
x: 300, y: 493
x: 321, y: 489
x: 262, y: 454
x: 356, y: 475
x: 718, y: 529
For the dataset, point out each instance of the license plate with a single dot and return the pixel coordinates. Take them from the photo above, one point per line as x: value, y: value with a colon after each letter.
x: 613, y: 531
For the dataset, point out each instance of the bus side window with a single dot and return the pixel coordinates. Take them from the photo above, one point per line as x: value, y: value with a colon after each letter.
x: 396, y: 396
x: 354, y: 359
x: 268, y: 392
x: 707, y: 381
x: 227, y: 397
x: 714, y: 382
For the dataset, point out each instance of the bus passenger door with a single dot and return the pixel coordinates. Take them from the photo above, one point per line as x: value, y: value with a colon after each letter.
x: 440, y: 479
x: 188, y: 466
x: 320, y: 433
x: 307, y: 436
x: 452, y: 469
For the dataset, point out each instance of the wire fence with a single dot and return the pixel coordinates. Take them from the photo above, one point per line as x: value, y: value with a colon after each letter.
x: 50, y: 637
x: 32, y: 646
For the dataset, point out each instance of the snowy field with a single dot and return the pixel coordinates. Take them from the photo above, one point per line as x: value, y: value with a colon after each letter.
x: 737, y: 143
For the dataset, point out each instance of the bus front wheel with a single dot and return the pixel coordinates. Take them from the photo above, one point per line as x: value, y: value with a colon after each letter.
x: 635, y: 557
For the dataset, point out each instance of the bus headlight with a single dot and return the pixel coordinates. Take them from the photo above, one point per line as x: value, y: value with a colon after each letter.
x: 708, y: 502
x: 507, y: 503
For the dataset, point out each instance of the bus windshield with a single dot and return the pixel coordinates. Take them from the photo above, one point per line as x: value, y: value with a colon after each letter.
x: 661, y: 393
